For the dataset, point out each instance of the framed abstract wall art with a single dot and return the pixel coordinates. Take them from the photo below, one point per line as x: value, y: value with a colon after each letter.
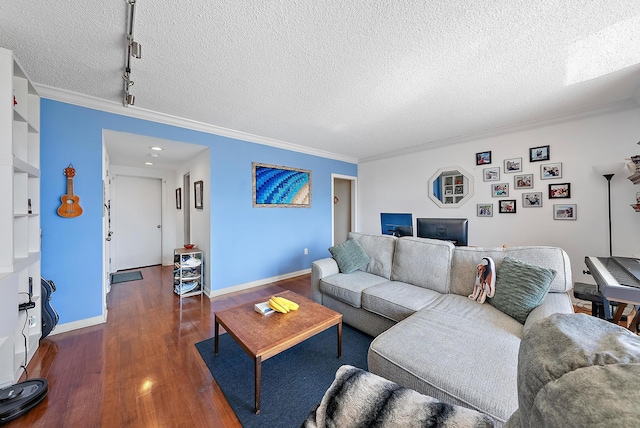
x: 198, y: 187
x: 280, y: 186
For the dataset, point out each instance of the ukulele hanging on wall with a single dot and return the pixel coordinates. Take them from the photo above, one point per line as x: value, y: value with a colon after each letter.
x: 70, y: 206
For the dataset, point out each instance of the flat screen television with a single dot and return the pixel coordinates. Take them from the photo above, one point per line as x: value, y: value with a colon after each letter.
x: 398, y: 224
x: 454, y: 230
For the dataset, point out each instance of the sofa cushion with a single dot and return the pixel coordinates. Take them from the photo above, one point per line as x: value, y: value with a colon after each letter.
x: 454, y: 350
x: 397, y: 300
x: 465, y: 260
x: 380, y: 249
x: 348, y: 287
x: 423, y: 262
x: 349, y: 255
x: 520, y: 287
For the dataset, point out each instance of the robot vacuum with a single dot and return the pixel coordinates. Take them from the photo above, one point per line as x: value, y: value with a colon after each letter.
x: 18, y: 399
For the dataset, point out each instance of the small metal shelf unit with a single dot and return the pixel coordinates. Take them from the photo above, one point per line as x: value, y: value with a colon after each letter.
x: 188, y: 273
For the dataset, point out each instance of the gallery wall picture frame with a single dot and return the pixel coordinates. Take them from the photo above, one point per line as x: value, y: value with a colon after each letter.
x: 550, y: 171
x: 565, y: 212
x: 507, y: 206
x: 483, y: 158
x: 532, y: 200
x: 484, y: 210
x: 500, y: 190
x: 559, y: 191
x: 512, y: 165
x: 198, y: 188
x: 491, y: 174
x: 523, y: 181
x: 280, y: 186
x: 538, y: 154
x: 179, y: 198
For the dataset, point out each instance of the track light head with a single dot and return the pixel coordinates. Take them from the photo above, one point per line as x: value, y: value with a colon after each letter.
x: 136, y: 49
x: 130, y: 99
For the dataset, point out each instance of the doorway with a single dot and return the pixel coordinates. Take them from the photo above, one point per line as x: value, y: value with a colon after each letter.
x: 137, y: 215
x: 343, y: 191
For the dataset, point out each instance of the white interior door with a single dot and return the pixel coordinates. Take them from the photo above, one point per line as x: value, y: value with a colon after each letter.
x: 343, y: 208
x: 137, y: 208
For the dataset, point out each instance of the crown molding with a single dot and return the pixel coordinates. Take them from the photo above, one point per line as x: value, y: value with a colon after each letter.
x: 95, y: 103
x: 525, y: 126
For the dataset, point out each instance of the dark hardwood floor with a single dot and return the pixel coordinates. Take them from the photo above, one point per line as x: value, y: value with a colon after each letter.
x: 140, y: 368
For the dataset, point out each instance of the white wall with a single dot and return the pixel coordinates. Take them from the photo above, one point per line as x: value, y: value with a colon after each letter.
x: 399, y: 184
x: 199, y: 168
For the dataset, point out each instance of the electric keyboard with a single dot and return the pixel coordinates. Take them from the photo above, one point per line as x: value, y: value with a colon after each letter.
x: 615, y: 278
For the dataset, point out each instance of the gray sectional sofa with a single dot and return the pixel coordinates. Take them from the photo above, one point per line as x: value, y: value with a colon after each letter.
x: 413, y: 296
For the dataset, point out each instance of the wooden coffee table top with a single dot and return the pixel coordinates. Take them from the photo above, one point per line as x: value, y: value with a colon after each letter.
x: 267, y: 335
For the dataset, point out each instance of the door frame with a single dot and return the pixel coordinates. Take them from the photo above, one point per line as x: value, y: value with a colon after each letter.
x: 168, y: 205
x: 353, y: 202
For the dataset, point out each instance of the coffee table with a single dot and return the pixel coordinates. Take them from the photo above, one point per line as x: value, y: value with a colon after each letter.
x: 264, y: 336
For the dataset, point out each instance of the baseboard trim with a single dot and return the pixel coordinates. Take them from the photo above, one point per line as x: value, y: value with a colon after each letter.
x: 246, y: 286
x: 75, y: 325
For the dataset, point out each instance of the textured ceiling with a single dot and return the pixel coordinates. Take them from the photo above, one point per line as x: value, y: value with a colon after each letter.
x: 356, y: 78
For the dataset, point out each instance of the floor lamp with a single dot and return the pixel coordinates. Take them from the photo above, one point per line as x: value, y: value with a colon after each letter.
x: 608, y: 171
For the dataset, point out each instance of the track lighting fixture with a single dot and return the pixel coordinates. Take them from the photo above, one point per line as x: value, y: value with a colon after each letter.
x: 134, y: 49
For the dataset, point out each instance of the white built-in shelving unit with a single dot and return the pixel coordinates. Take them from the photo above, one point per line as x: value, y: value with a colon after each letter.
x: 20, y: 331
x: 453, y: 187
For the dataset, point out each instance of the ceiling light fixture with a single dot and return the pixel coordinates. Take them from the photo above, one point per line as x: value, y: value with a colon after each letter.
x: 148, y: 163
x: 134, y: 49
x: 155, y: 148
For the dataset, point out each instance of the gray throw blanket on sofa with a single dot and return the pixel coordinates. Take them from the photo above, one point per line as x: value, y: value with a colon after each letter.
x: 357, y: 398
x: 575, y: 370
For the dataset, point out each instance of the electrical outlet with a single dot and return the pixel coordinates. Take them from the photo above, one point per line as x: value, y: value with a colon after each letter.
x: 32, y: 321
x: 306, y: 251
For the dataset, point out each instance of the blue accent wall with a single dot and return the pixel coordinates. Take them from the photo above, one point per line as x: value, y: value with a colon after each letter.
x: 247, y: 244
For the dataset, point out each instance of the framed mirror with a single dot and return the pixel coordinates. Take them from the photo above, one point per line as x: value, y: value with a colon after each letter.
x: 450, y: 187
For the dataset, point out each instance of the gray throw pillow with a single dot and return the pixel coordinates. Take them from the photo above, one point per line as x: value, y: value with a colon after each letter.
x: 520, y: 287
x: 349, y: 255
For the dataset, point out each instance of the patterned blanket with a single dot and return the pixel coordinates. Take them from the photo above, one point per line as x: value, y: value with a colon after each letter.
x: 359, y: 398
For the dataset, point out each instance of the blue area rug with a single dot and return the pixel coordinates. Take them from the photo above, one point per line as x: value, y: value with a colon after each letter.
x: 126, y: 276
x: 293, y: 382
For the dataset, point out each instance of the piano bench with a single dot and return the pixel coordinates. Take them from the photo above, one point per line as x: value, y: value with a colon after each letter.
x: 590, y: 293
